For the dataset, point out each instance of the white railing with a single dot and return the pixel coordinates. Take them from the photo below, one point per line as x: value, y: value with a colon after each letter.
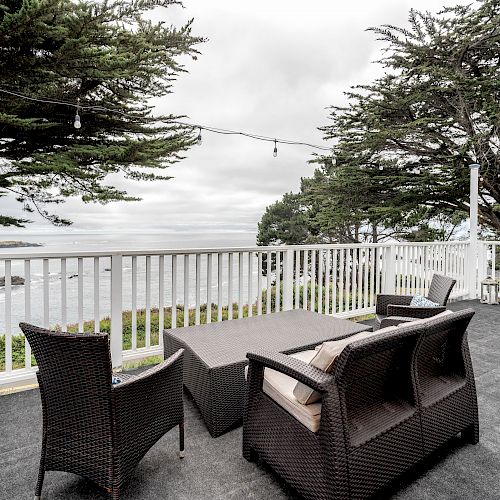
x: 136, y: 294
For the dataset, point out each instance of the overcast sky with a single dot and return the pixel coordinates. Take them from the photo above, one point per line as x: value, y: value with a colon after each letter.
x: 269, y: 67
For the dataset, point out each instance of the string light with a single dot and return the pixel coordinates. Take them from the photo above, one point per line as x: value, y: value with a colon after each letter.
x: 77, y: 123
x: 192, y: 126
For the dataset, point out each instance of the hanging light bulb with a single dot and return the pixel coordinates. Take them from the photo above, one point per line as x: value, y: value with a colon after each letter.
x: 275, y: 152
x: 198, y: 140
x: 77, y: 123
x: 381, y: 167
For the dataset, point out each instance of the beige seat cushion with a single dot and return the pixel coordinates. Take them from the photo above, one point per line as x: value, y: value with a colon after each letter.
x: 324, y: 359
x: 279, y: 387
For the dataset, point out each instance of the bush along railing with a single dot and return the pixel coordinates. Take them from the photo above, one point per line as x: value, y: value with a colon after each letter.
x: 133, y: 296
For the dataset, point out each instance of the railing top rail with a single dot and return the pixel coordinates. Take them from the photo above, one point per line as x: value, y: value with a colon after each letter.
x: 214, y: 250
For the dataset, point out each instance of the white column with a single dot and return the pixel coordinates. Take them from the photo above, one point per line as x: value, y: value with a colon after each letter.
x: 116, y: 311
x: 473, y: 226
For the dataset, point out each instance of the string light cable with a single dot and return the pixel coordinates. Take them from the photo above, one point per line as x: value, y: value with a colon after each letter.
x: 216, y: 130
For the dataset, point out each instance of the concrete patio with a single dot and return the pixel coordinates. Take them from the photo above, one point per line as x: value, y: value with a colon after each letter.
x: 215, y: 469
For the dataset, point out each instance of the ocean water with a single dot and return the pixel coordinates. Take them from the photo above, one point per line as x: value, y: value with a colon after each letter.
x: 83, y: 287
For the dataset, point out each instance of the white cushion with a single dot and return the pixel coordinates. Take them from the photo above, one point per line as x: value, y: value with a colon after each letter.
x: 279, y: 388
x: 420, y: 301
x: 324, y: 359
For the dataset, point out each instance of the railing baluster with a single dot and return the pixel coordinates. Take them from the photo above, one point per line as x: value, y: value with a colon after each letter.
x: 64, y: 304
x: 197, y: 289
x: 305, y: 278
x: 27, y: 310
x: 327, y: 281
x: 148, y: 301
x: 46, y: 318
x: 240, y: 285
x: 219, y: 287
x: 80, y: 295
x: 186, y: 290
x: 348, y: 273
x: 230, y: 286
x: 209, y: 288
x: 259, y: 283
x: 97, y: 324
x: 173, y: 309
x: 366, y: 268
x: 161, y: 298
x: 268, y: 289
x: 313, y: 280
x: 297, y: 279
x: 341, y: 276
x: 320, y: 281
x: 371, y: 263
x: 250, y: 284
x: 334, y: 281
x: 277, y: 290
x: 134, y: 303
x: 8, y: 316
x: 360, y: 278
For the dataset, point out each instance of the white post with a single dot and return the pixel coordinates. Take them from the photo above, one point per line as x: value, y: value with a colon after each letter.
x: 473, y: 226
x: 288, y: 280
x: 116, y: 312
x: 390, y: 270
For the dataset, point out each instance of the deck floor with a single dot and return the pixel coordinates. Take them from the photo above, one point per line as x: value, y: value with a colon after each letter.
x: 215, y: 469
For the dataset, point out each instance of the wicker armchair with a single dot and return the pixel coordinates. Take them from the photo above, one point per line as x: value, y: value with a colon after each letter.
x: 369, y: 430
x: 91, y: 427
x: 391, y: 308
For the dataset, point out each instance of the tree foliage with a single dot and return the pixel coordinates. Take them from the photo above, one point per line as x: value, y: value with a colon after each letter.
x: 108, y: 55
x: 403, y: 143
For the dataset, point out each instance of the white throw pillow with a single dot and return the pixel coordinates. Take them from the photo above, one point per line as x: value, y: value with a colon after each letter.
x: 419, y: 301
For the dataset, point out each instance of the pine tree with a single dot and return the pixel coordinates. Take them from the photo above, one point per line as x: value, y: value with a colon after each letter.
x: 106, y: 55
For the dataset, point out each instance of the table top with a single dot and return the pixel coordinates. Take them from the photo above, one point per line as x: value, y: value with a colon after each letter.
x: 227, y: 342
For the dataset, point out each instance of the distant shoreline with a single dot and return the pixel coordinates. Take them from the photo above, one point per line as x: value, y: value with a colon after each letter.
x: 18, y: 244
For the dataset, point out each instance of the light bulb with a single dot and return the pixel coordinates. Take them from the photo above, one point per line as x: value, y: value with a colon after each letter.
x: 381, y: 167
x: 77, y: 123
x: 198, y: 140
x: 275, y: 152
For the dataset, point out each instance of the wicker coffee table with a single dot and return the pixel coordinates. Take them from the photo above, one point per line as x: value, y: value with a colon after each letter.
x: 215, y: 355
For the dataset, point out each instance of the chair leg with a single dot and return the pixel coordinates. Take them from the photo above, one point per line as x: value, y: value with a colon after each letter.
x: 181, y: 440
x: 41, y: 473
x: 471, y: 433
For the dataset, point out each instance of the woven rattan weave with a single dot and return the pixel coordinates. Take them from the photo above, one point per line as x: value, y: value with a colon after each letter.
x: 215, y: 355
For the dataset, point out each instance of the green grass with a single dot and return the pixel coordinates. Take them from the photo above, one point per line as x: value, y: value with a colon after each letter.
x: 18, y: 344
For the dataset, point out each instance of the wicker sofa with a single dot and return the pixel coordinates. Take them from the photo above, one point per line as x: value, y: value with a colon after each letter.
x: 91, y: 427
x: 393, y: 309
x: 390, y: 401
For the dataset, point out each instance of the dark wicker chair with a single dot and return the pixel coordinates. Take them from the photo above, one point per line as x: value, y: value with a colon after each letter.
x: 390, y: 308
x: 91, y: 427
x: 370, y: 425
x: 390, y: 401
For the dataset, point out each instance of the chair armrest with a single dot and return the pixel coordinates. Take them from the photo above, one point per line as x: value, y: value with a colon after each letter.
x: 299, y: 370
x: 150, y: 402
x: 413, y: 312
x: 383, y: 300
x: 394, y: 321
x: 146, y: 375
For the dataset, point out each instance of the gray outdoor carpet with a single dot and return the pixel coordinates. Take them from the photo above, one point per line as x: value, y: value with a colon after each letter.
x: 215, y: 469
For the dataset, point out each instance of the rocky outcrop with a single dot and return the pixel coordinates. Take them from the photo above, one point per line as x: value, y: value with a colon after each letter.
x: 14, y: 280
